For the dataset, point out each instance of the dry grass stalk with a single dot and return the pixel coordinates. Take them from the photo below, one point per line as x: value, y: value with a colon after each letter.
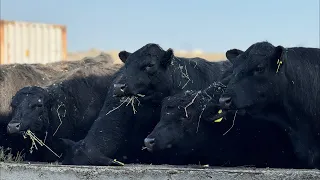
x: 234, y: 118
x: 185, y: 75
x: 118, y: 162
x: 7, y: 156
x: 190, y: 103
x: 129, y: 100
x: 59, y: 118
x: 35, y: 139
x: 200, y: 118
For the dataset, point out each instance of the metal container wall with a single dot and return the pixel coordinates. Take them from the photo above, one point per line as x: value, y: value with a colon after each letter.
x: 27, y: 42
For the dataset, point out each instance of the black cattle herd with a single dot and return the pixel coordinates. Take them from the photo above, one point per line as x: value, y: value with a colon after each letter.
x: 259, y: 107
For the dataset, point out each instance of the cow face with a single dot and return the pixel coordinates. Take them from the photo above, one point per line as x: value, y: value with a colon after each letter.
x: 146, y: 73
x: 255, y: 79
x: 29, y: 110
x: 180, y: 126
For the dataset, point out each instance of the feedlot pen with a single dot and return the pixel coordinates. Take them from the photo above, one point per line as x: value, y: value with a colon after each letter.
x: 15, y: 171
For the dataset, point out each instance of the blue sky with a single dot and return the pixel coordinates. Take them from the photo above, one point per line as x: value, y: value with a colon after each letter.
x: 209, y: 25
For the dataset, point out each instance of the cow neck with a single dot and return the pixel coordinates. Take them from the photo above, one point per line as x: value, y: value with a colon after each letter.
x: 282, y: 78
x: 60, y: 101
x: 70, y: 98
x: 180, y: 76
x: 280, y: 75
x: 51, y: 116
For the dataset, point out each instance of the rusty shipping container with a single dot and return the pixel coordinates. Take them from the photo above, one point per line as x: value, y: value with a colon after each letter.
x: 28, y: 42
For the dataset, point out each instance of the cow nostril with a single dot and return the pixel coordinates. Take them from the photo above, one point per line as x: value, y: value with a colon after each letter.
x: 228, y: 102
x: 119, y: 89
x: 119, y: 86
x: 149, y: 142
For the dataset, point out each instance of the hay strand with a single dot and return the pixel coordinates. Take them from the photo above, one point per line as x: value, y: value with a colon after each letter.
x: 129, y: 100
x: 190, y: 103
x: 34, y: 139
x: 234, y: 118
x: 59, y: 118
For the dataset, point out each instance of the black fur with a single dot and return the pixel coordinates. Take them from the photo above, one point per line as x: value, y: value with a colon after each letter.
x: 195, y: 136
x: 75, y: 102
x: 256, y: 84
x: 121, y: 132
x: 156, y: 73
x: 16, y: 76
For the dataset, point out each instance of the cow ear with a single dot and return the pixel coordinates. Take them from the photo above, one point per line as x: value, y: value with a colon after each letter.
x: 209, y: 111
x: 277, y: 55
x: 67, y: 143
x: 210, y: 114
x: 232, y: 54
x: 167, y: 58
x: 123, y: 55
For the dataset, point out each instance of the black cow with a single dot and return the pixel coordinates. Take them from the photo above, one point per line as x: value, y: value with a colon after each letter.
x: 186, y: 128
x: 287, y: 77
x: 13, y: 77
x: 149, y: 75
x: 109, y: 133
x: 64, y: 109
x: 155, y: 73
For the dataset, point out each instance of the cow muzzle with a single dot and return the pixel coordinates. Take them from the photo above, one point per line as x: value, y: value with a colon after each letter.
x: 13, y: 128
x: 225, y: 102
x: 149, y: 143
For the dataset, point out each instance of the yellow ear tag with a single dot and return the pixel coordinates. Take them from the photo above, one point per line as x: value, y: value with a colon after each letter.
x: 220, y: 119
x: 279, y: 62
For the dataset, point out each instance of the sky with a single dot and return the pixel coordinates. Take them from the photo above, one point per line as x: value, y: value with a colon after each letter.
x: 208, y: 25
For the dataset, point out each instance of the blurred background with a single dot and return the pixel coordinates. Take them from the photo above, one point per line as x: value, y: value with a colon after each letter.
x: 38, y: 31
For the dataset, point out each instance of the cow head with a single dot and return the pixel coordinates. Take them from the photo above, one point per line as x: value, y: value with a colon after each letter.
x: 182, y: 125
x: 30, y: 108
x: 80, y: 153
x: 146, y: 72
x: 255, y: 78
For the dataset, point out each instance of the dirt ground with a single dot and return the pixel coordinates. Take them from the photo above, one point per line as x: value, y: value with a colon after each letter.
x: 11, y: 171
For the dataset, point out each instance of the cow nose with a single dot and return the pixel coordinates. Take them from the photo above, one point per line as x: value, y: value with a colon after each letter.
x: 119, y: 89
x: 13, y: 128
x: 149, y: 143
x: 225, y: 102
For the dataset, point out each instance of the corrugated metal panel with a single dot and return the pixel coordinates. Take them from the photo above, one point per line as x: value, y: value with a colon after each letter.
x: 25, y: 42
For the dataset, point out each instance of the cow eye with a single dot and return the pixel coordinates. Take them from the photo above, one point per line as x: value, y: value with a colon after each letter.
x: 148, y: 67
x: 170, y: 107
x: 36, y: 105
x: 258, y: 70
